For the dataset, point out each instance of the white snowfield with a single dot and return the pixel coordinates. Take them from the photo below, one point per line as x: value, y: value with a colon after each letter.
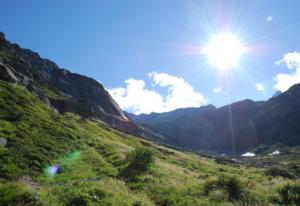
x: 276, y: 152
x: 248, y: 154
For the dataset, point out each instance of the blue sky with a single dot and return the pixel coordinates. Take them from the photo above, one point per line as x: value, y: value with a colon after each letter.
x: 151, y: 45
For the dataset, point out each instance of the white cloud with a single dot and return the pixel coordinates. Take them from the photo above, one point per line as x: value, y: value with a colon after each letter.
x: 285, y: 81
x: 138, y: 99
x: 260, y: 87
x: 217, y: 89
x: 269, y: 19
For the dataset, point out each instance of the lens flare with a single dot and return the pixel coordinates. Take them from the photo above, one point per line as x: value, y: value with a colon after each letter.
x: 51, y: 171
x: 62, y: 163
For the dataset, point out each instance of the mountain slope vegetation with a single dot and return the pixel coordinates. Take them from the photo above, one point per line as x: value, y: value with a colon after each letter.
x: 47, y: 158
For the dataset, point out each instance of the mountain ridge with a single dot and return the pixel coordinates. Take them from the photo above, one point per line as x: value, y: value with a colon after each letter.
x: 234, y: 128
x: 61, y: 89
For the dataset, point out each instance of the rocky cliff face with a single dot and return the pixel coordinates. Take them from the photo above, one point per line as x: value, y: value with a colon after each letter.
x: 59, y: 88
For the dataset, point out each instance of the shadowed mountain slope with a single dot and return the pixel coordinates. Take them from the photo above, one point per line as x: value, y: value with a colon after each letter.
x: 234, y: 128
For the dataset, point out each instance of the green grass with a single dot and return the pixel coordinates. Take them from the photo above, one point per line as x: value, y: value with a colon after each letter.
x: 50, y: 93
x: 287, y: 164
x: 91, y: 158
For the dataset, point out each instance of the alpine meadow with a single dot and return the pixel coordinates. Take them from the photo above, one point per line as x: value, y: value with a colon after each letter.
x: 166, y: 103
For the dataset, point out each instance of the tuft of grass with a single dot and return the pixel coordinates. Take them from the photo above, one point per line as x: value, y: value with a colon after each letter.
x: 138, y: 162
x: 230, y: 184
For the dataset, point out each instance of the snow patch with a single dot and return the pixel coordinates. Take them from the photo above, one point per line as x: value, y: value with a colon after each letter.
x: 248, y: 154
x: 276, y: 152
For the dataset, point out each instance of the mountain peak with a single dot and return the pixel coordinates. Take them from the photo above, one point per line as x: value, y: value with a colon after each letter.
x: 59, y: 88
x: 277, y: 93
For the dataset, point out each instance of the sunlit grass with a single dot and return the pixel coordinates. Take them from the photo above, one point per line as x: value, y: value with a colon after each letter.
x: 92, y: 156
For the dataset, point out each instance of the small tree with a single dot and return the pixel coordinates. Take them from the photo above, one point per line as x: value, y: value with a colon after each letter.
x: 138, y: 162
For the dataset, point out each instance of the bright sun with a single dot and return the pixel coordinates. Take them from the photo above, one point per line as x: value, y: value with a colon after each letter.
x: 224, y: 51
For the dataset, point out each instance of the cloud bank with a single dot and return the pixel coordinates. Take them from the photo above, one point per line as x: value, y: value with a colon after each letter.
x: 285, y: 81
x: 136, y: 98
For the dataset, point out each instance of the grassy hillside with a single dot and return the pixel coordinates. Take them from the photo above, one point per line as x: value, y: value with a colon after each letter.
x: 52, y: 159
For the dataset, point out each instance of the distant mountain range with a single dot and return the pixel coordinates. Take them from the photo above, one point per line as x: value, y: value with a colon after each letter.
x: 234, y: 128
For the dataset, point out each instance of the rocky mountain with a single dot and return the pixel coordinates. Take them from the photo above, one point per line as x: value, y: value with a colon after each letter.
x: 278, y: 119
x: 171, y: 124
x: 58, y: 145
x: 277, y: 93
x: 234, y: 128
x: 60, y: 89
x: 157, y: 118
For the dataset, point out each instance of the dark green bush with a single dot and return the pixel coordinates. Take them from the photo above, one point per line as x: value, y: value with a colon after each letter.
x: 78, y: 201
x: 12, y: 114
x: 230, y: 184
x: 277, y: 172
x: 289, y: 194
x: 167, y: 200
x: 138, y: 162
x: 137, y: 203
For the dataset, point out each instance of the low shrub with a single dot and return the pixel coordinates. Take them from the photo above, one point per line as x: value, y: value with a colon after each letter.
x: 138, y: 162
x: 78, y: 201
x: 254, y: 197
x: 230, y: 184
